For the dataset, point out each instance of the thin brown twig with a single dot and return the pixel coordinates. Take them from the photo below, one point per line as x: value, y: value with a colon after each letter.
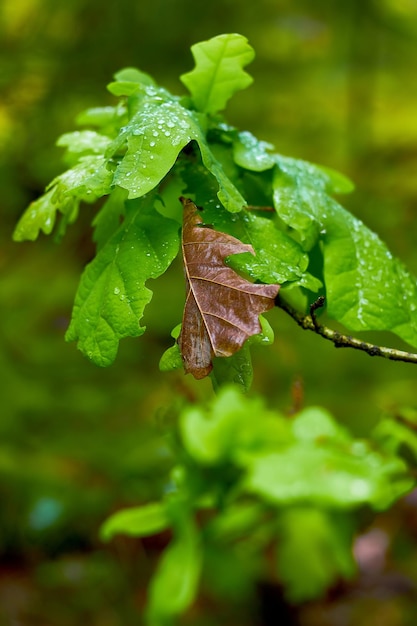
x: 310, y: 322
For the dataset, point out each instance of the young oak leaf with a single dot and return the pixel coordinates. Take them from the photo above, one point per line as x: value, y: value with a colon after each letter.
x: 152, y: 141
x: 112, y: 294
x: 218, y: 71
x: 222, y: 309
x: 85, y: 181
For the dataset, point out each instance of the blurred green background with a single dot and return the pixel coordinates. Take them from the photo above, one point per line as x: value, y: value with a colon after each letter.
x: 335, y: 83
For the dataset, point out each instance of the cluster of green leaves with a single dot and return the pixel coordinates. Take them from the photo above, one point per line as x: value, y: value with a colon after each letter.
x: 243, y: 488
x: 151, y: 148
x: 246, y: 479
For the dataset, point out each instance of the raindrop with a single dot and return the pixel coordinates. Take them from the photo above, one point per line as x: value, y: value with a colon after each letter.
x: 116, y: 291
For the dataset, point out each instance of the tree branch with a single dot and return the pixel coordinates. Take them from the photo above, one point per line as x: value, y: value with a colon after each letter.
x: 310, y: 322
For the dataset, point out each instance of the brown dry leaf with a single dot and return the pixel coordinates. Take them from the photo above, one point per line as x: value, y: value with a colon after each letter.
x: 222, y: 309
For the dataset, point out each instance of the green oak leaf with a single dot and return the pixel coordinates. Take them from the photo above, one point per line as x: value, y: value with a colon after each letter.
x: 278, y: 258
x: 279, y: 457
x: 252, y: 154
x: 107, y: 119
x: 39, y: 216
x: 236, y: 369
x: 226, y: 429
x: 86, y: 181
x: 218, y: 72
x: 366, y: 287
x: 301, y: 193
x: 175, y: 582
x: 129, y: 81
x: 285, y: 478
x: 316, y: 423
x: 171, y: 358
x: 154, y: 137
x: 140, y: 521
x: 228, y: 194
x: 84, y: 142
x: 236, y: 521
x: 207, y: 434
x: 346, y: 472
x: 112, y: 294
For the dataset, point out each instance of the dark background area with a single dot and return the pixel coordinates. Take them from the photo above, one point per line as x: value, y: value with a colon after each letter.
x: 335, y: 83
